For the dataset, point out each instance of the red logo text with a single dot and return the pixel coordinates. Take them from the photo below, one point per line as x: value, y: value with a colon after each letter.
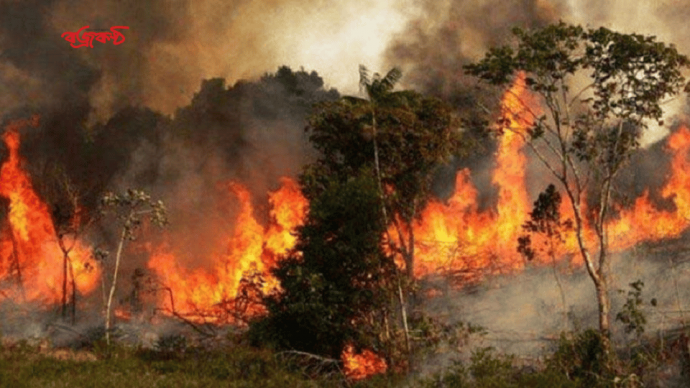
x: 83, y: 38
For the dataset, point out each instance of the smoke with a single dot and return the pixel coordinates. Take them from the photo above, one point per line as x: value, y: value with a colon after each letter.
x: 173, y: 44
x: 442, y: 38
x: 252, y: 133
x: 523, y: 314
x: 447, y: 35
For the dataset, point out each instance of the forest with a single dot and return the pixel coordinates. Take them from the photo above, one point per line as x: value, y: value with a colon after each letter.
x: 519, y: 232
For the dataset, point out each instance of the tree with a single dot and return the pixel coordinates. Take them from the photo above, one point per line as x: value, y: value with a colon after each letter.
x: 70, y: 223
x: 129, y: 208
x: 588, y: 133
x: 402, y: 137
x: 333, y: 283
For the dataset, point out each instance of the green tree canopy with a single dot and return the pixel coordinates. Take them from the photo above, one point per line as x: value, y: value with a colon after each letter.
x: 401, y: 136
x: 333, y: 282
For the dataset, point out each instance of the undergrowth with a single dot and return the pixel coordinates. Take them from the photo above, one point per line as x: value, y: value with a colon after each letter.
x: 171, y: 364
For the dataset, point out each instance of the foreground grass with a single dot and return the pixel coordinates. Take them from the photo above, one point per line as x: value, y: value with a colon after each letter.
x: 575, y: 364
x: 237, y: 366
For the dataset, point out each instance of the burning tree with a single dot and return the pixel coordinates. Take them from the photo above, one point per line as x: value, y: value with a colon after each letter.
x: 28, y: 253
x: 588, y: 130
x: 129, y: 208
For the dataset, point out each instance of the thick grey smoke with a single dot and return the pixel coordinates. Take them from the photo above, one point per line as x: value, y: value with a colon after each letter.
x: 449, y: 34
x: 523, y: 314
x: 173, y: 44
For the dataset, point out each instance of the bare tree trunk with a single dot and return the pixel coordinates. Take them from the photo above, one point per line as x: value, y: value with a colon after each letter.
x: 410, y: 251
x: 598, y: 276
x: 108, y: 306
x: 74, y: 293
x: 604, y: 306
x: 64, y: 284
x: 408, y: 344
x: 16, y: 264
x: 604, y: 324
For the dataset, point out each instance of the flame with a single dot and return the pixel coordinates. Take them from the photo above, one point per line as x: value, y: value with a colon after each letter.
x: 29, y: 253
x: 644, y: 221
x: 453, y: 237
x: 203, y: 295
x: 359, y: 366
x: 456, y: 236
x: 122, y: 314
x: 288, y: 209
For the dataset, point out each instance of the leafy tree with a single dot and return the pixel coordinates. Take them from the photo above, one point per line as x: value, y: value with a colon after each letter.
x: 401, y: 136
x: 130, y: 208
x: 631, y: 314
x: 333, y: 288
x: 587, y: 133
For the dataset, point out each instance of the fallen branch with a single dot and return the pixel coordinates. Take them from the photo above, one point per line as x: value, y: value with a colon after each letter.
x: 324, y: 365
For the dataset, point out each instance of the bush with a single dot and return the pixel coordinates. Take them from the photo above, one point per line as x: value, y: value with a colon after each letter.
x: 487, y: 370
x: 583, y: 360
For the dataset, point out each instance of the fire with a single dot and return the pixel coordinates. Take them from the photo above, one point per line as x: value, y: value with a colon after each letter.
x: 288, y: 209
x: 457, y: 237
x: 454, y: 237
x: 252, y: 250
x: 644, y: 221
x: 30, y: 257
x: 359, y: 366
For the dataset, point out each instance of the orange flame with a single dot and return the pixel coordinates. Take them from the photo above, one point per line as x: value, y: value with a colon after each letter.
x: 456, y: 236
x: 362, y: 365
x: 29, y: 252
x: 644, y: 221
x: 203, y: 295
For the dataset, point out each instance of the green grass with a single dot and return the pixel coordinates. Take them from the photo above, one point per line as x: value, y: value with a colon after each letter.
x: 230, y: 365
x: 25, y: 366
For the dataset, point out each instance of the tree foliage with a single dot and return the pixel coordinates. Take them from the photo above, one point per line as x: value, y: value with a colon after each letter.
x: 401, y: 136
x: 545, y: 219
x: 333, y: 284
x: 379, y: 154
